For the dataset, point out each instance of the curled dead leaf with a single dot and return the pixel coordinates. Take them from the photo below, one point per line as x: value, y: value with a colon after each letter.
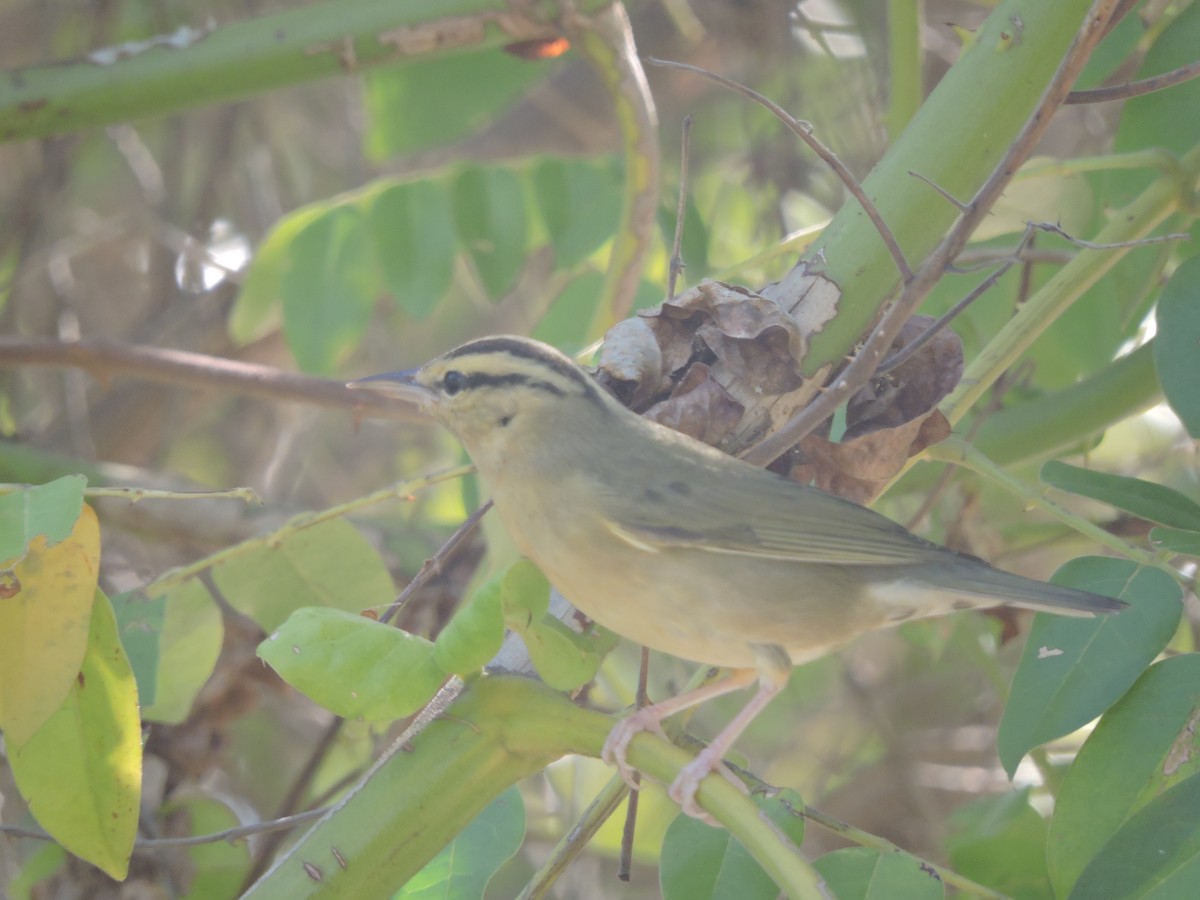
x: 631, y: 363
x: 914, y: 388
x: 698, y: 407
x: 858, y: 468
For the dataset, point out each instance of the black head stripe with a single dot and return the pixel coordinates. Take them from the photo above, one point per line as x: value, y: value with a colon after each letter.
x: 532, y: 352
x: 484, y: 379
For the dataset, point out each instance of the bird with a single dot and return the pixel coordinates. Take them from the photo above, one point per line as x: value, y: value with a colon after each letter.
x: 682, y: 548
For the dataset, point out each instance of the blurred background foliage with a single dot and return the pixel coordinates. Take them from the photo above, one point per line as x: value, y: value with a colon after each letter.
x: 365, y: 222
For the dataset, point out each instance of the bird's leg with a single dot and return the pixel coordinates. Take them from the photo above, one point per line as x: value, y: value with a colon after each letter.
x: 774, y: 666
x: 648, y: 718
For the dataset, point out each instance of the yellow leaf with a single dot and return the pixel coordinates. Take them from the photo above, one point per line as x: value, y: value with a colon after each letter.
x: 44, y: 618
x: 81, y: 772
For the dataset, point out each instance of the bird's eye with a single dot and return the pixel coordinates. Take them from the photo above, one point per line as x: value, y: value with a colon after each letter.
x: 453, y: 382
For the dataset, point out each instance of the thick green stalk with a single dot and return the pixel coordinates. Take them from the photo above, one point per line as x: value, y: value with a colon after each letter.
x: 195, y: 66
x: 499, y: 730
x: 1065, y: 418
x: 905, y: 63
x: 956, y: 139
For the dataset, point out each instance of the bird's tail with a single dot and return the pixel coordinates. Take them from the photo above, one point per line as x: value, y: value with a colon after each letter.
x: 988, y: 585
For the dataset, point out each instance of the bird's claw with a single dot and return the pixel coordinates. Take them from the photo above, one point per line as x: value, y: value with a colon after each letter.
x: 617, y: 743
x: 683, y: 789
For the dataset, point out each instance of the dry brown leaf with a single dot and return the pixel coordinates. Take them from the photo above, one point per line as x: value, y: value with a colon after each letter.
x: 698, y: 407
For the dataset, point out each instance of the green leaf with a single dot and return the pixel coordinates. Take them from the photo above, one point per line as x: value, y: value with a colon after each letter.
x: 561, y: 658
x: 81, y: 772
x: 489, y: 213
x: 219, y: 866
x: 474, y: 633
x: 1145, y: 744
x: 467, y: 864
x: 859, y: 873
x: 564, y: 658
x: 1177, y: 344
x: 524, y: 592
x: 354, y: 666
x: 44, y: 622
x: 45, y: 510
x: 1111, y: 53
x: 698, y: 861
x: 429, y: 104
x: 140, y: 623
x: 39, y: 865
x: 329, y: 564
x: 1142, y: 498
x: 1000, y: 842
x: 329, y: 283
x: 1156, y: 854
x: 1154, y: 120
x: 188, y: 648
x: 258, y: 309
x: 1176, y: 541
x: 413, y: 228
x: 580, y: 205
x: 1073, y: 669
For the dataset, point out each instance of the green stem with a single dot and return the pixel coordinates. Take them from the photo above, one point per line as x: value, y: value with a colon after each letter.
x: 607, y: 42
x: 400, y: 490
x: 883, y: 845
x: 499, y: 730
x: 199, y: 65
x: 1066, y: 418
x: 599, y: 811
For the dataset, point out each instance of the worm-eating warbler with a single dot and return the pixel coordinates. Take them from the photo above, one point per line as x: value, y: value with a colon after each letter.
x: 682, y: 548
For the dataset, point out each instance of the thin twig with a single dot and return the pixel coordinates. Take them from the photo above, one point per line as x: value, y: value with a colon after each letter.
x: 900, y: 357
x: 804, y: 131
x: 1051, y: 228
x: 231, y: 835
x: 433, y: 565
x: 105, y: 359
x: 677, y: 264
x: 606, y: 41
x: 136, y: 494
x: 403, y: 489
x: 1136, y: 88
x: 625, y: 865
x: 291, y: 800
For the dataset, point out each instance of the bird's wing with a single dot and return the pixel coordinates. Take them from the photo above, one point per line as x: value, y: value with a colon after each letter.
x: 781, y: 520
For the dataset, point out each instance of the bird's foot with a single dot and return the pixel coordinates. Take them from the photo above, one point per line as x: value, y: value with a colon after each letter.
x: 618, y: 741
x: 683, y: 788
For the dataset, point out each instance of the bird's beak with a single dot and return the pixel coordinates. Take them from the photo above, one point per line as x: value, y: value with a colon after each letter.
x: 401, y: 385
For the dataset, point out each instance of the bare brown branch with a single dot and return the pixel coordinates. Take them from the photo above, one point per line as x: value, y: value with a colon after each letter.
x: 105, y: 360
x: 1136, y: 88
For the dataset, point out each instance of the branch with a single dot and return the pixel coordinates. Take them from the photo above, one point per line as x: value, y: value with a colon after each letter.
x: 804, y: 131
x: 1136, y: 88
x: 606, y: 39
x: 212, y: 64
x: 105, y: 359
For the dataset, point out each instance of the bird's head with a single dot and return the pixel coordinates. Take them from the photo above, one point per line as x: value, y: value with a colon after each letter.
x: 494, y: 391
